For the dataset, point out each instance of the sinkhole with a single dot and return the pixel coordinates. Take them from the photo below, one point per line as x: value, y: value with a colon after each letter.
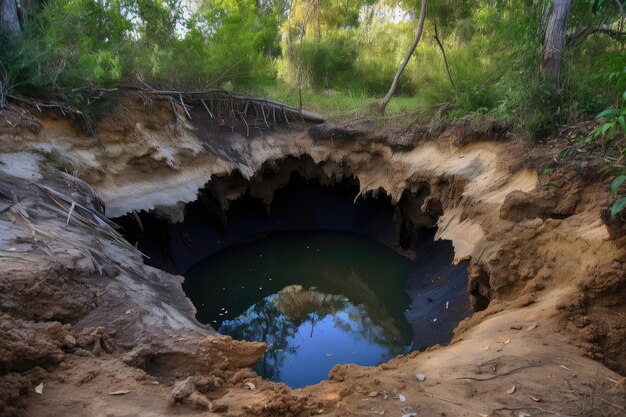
x: 322, y: 278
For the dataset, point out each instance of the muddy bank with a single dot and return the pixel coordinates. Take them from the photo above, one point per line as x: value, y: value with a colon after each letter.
x: 106, y: 323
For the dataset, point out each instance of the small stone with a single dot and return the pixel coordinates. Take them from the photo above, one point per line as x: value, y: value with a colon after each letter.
x: 420, y: 377
x: 110, y: 271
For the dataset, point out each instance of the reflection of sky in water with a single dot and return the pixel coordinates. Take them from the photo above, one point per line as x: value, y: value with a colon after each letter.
x: 310, y: 332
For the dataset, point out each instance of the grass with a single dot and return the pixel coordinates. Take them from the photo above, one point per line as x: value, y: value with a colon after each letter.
x: 336, y: 105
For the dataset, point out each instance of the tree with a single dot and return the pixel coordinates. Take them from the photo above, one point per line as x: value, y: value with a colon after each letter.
x: 554, y: 41
x: 9, y: 19
x: 394, y: 83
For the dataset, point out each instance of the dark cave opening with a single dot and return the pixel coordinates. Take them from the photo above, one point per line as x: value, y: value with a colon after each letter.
x: 312, y: 271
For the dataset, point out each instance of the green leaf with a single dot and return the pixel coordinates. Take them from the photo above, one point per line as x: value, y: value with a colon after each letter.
x: 608, y: 113
x: 622, y: 123
x: 617, y: 182
x: 564, y: 153
x: 617, y: 207
x: 546, y: 171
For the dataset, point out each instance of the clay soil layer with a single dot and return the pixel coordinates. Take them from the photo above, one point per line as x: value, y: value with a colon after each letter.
x: 87, y: 329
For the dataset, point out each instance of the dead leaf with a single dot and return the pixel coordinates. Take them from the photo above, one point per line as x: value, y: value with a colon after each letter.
x: 535, y: 399
x: 250, y: 386
x: 120, y: 392
x: 402, y: 398
x: 420, y: 377
x: 39, y: 389
x: 511, y: 390
x: 483, y: 415
x: 531, y: 327
x: 564, y: 367
x: 373, y: 394
x: 507, y: 341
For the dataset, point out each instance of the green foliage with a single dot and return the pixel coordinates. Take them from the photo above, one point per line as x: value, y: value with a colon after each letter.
x: 345, y: 49
x: 74, y: 47
x: 611, y: 133
x: 322, y: 63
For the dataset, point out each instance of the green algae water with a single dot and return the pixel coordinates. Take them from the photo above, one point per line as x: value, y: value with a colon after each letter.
x: 317, y: 298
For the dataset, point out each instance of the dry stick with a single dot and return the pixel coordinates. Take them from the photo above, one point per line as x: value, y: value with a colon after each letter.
x: 396, y: 78
x: 99, y: 218
x: 242, y: 115
x: 449, y: 401
x: 613, y: 404
x: 207, y: 108
x: 532, y: 408
x: 445, y: 61
x: 175, y: 113
x: 182, y: 102
x: 505, y: 373
x: 264, y: 118
x: 286, y: 118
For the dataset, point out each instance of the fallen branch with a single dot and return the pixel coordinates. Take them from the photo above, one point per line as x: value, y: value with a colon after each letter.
x: 578, y: 38
x: 504, y: 373
x: 236, y: 100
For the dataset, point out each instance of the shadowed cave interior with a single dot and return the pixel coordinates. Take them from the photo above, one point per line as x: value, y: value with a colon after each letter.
x: 320, y: 277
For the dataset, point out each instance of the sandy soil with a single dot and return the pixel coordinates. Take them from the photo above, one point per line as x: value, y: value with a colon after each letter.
x: 88, y: 330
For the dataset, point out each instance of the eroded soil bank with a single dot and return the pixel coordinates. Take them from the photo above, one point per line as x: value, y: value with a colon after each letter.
x: 108, y: 335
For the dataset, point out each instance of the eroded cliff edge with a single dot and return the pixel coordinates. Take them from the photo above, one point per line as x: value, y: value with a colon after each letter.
x: 84, y: 315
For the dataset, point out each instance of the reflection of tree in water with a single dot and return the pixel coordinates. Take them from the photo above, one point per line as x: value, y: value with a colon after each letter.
x: 276, y: 319
x: 360, y: 325
x: 265, y: 323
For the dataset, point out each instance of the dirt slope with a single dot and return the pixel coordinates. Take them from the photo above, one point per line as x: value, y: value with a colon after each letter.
x: 108, y: 335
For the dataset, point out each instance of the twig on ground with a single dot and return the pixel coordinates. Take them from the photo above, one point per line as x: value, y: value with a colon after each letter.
x: 504, y: 373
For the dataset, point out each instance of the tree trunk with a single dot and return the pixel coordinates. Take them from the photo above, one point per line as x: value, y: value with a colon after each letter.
x: 394, y: 84
x: 9, y: 19
x: 553, y: 44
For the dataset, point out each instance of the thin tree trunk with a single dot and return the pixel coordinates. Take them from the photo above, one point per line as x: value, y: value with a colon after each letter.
x: 445, y: 61
x: 394, y: 84
x: 556, y: 31
x: 319, y: 20
x: 9, y: 19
